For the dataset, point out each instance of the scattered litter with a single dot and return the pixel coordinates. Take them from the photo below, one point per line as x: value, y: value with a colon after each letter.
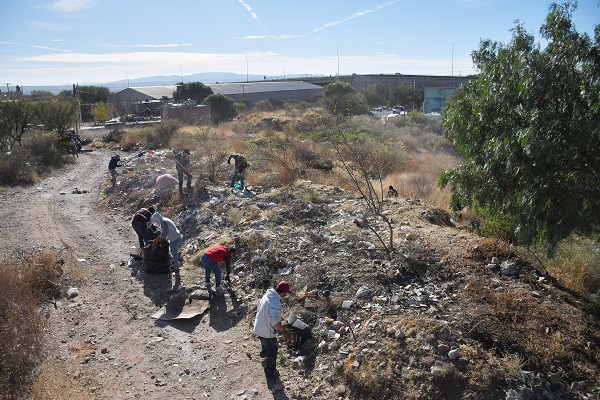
x: 347, y: 304
x: 197, y: 307
x: 72, y: 292
x: 285, y: 271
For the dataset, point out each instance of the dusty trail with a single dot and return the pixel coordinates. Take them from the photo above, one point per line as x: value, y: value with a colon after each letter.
x: 105, y: 339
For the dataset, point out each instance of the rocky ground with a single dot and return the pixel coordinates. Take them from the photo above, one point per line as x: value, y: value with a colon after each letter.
x: 438, y: 318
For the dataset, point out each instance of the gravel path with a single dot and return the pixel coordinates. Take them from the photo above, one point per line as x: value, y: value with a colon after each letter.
x: 104, y: 341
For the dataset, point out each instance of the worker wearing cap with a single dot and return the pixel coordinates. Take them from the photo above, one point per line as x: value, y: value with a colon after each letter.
x: 112, y: 168
x: 268, y: 322
x: 182, y: 165
x: 140, y: 222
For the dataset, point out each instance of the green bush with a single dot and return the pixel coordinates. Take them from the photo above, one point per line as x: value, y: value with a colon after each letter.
x: 161, y: 135
x: 42, y: 150
x: 39, y: 152
x: 417, y: 118
x: 14, y: 168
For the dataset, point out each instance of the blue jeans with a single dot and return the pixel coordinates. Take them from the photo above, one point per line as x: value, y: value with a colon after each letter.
x: 142, y: 231
x: 180, y: 173
x: 236, y: 171
x: 174, y: 246
x: 269, y: 350
x: 211, y: 266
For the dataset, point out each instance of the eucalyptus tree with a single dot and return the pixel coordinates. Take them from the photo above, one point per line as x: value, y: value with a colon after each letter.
x: 529, y: 130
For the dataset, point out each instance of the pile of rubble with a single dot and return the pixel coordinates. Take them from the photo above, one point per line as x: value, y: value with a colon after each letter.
x: 365, y: 321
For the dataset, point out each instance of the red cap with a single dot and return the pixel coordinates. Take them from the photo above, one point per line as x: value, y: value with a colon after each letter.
x: 283, y: 286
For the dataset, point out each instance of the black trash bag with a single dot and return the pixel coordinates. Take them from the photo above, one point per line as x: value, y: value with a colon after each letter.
x: 157, y: 260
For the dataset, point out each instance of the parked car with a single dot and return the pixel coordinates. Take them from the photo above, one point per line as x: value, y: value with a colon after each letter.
x: 380, y: 111
x: 399, y: 110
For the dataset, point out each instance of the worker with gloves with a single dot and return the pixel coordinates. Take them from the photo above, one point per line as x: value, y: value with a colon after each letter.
x: 268, y: 322
x: 239, y: 166
x: 168, y: 231
x: 213, y: 256
x: 140, y: 222
x: 112, y: 168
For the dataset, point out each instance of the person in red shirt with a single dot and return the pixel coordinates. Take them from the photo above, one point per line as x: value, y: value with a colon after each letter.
x: 211, y: 257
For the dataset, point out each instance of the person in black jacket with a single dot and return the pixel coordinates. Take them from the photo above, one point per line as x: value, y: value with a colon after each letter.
x: 112, y: 168
x: 240, y: 165
x: 140, y: 222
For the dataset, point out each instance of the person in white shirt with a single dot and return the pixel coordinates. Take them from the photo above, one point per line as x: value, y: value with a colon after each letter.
x: 168, y: 231
x: 268, y: 322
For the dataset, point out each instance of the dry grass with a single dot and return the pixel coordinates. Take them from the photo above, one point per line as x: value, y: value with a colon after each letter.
x: 419, y: 177
x: 374, y: 372
x: 51, y: 382
x: 27, y: 281
x: 576, y: 265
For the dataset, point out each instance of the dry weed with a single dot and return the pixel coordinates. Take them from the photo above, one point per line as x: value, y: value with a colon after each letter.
x: 576, y: 265
x: 26, y: 282
x: 234, y: 215
x: 375, y: 370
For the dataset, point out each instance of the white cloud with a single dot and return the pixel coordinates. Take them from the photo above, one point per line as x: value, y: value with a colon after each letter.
x: 71, y: 6
x: 147, y: 45
x: 153, y: 63
x: 35, y: 46
x: 328, y: 25
x: 252, y: 14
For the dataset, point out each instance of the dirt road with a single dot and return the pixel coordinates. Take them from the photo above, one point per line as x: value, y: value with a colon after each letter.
x: 105, y: 339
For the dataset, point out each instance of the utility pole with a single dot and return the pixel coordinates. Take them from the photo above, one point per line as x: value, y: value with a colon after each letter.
x: 80, y: 118
x: 7, y: 88
x: 452, y: 59
x: 337, y: 49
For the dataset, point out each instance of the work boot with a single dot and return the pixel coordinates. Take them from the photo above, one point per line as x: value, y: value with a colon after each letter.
x: 220, y: 290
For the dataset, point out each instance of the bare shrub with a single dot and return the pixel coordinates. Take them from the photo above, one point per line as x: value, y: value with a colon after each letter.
x: 212, y: 151
x: 130, y: 140
x: 114, y: 136
x: 263, y: 105
x: 25, y: 283
x: 160, y: 136
x: 278, y: 151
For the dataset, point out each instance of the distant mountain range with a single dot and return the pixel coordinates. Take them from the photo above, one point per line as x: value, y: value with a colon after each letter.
x: 162, y: 80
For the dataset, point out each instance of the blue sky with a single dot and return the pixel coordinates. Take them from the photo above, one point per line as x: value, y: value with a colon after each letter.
x: 54, y: 42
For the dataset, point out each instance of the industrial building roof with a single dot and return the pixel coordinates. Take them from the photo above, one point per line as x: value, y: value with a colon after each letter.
x: 259, y: 87
x: 157, y: 92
